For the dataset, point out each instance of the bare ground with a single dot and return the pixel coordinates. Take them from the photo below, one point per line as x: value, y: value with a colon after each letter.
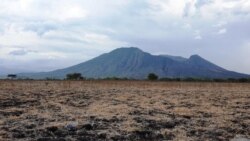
x: 123, y: 111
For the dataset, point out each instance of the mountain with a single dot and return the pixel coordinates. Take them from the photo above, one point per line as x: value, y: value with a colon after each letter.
x: 134, y: 63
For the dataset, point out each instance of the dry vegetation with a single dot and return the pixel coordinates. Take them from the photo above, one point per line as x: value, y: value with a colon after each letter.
x: 123, y: 110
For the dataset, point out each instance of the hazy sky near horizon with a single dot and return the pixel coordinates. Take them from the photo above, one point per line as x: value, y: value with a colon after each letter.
x: 43, y: 35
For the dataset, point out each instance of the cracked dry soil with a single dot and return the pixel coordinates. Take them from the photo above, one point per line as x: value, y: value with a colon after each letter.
x: 123, y: 111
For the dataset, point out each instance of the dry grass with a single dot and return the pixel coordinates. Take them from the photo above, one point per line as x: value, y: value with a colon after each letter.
x: 123, y: 110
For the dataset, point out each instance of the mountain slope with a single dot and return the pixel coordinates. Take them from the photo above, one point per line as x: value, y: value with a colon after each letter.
x: 134, y: 63
x: 176, y: 58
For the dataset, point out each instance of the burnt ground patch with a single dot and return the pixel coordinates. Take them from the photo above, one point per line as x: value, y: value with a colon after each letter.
x: 123, y: 111
x: 6, y: 103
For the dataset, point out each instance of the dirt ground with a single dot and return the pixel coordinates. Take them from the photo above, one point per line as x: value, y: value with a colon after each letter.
x: 123, y: 111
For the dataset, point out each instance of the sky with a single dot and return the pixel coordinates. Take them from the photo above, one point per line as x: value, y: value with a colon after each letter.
x: 43, y: 35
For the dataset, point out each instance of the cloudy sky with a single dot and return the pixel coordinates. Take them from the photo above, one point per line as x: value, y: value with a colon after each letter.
x: 43, y: 35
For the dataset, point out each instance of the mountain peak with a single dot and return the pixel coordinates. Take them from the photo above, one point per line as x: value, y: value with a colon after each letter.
x: 195, y: 56
x: 128, y: 49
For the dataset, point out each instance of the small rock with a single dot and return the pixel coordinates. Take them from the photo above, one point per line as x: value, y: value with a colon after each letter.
x: 71, y: 126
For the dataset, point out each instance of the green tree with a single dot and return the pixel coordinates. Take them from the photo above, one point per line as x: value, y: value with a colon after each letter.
x: 243, y: 80
x: 12, y: 76
x: 152, y: 76
x: 74, y: 76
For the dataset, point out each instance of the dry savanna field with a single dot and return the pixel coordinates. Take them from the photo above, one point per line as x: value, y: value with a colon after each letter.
x: 123, y: 111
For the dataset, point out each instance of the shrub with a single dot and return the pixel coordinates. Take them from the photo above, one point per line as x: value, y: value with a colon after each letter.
x: 218, y: 80
x: 152, y: 76
x: 12, y: 76
x: 243, y: 80
x: 74, y: 76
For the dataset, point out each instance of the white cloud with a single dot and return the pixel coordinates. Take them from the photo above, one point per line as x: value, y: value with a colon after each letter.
x: 187, y: 26
x: 168, y: 7
x: 220, y: 24
x: 61, y: 30
x: 222, y: 31
x: 42, y: 10
x: 224, y: 9
x: 197, y: 35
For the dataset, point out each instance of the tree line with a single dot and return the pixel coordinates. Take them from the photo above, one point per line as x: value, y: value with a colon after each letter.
x: 155, y: 77
x: 150, y: 76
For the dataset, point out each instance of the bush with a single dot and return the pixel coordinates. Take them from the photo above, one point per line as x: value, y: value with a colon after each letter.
x: 12, y: 76
x: 115, y: 78
x: 243, y: 80
x: 152, y: 76
x: 74, y: 76
x: 232, y: 80
x: 219, y: 80
x: 177, y: 79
